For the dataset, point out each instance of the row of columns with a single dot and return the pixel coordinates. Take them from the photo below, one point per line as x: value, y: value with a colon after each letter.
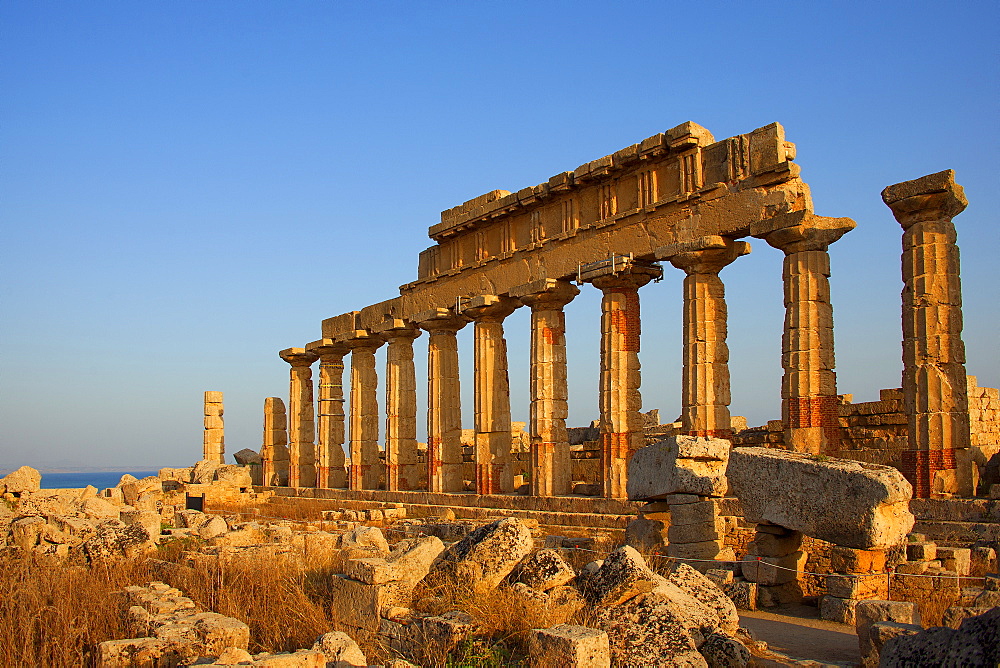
x: 808, y: 384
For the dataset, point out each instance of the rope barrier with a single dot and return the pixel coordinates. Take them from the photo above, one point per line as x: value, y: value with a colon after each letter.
x: 758, y: 560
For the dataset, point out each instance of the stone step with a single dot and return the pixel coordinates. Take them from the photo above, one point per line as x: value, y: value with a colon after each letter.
x: 958, y: 533
x: 957, y: 510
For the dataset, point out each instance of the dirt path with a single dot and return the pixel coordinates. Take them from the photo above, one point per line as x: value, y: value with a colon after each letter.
x: 798, y: 633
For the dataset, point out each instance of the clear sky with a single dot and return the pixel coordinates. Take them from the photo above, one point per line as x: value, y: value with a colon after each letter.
x: 189, y: 187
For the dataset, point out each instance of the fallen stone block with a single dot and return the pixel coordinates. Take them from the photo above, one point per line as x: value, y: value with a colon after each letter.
x: 858, y: 586
x: 853, y: 504
x: 568, y: 646
x: 646, y: 535
x: 743, y: 594
x: 623, y: 575
x: 868, y: 613
x: 487, y: 555
x: 836, y: 609
x: 706, y: 592
x: 447, y: 630
x: 544, y: 570
x: 340, y: 650
x: 722, y: 651
x: 659, y: 470
x: 24, y: 480
x: 957, y: 559
x: 975, y: 643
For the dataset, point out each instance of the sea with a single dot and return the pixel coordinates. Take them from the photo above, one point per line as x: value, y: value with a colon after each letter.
x: 99, y: 479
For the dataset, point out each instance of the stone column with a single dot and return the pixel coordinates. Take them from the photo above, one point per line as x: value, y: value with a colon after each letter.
x: 622, y: 430
x: 494, y: 470
x: 214, y: 440
x: 444, y: 407
x: 274, y: 451
x: 402, y: 469
x: 705, y: 394
x: 330, y: 471
x: 551, y: 467
x: 366, y: 468
x: 302, y: 425
x: 809, y: 384
x: 935, y: 391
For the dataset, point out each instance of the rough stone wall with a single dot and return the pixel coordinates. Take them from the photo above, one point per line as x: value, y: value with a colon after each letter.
x: 984, y: 414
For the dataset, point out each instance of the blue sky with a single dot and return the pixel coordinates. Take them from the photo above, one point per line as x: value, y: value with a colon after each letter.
x: 188, y: 187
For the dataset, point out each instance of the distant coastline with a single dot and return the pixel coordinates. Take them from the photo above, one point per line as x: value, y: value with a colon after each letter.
x: 99, y: 479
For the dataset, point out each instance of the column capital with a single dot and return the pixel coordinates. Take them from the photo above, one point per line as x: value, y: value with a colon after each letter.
x: 707, y: 255
x: 813, y: 233
x: 298, y: 357
x: 440, y: 320
x: 620, y: 272
x: 547, y: 293
x: 360, y: 339
x: 489, y: 308
x: 327, y: 349
x: 935, y: 197
x: 397, y: 329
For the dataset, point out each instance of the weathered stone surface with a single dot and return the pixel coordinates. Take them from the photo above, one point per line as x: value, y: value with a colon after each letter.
x: 882, y: 632
x: 848, y: 503
x: 487, y: 555
x: 658, y: 470
x: 340, y: 650
x: 212, y: 527
x: 115, y: 539
x: 646, y: 535
x: 246, y: 457
x: 722, y: 651
x: 412, y: 558
x: 545, y: 569
x: 24, y: 480
x: 868, y: 613
x: 975, y: 643
x: 623, y: 575
x: 955, y: 615
x: 569, y: 646
x: 363, y: 536
x: 836, y: 609
x: 449, y: 629
x: 771, y: 571
x: 743, y: 594
x: 708, y: 594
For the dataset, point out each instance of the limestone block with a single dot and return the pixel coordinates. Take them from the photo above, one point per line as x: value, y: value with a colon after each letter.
x: 545, y: 570
x: 772, y: 544
x: 783, y: 594
x: 957, y: 559
x: 646, y: 535
x: 487, y: 555
x: 882, y: 632
x: 706, y: 592
x: 131, y: 652
x: 848, y: 503
x: 921, y: 551
x: 363, y: 536
x: 412, y: 558
x: 708, y: 549
x: 218, y: 632
x: 955, y: 615
x: 449, y: 629
x: 340, y: 650
x: 304, y: 658
x: 623, y: 575
x: 743, y: 594
x: 849, y: 560
x: 835, y: 609
x: 725, y: 651
x: 27, y: 531
x: 356, y: 604
x: 212, y: 397
x: 772, y: 571
x: 695, y: 533
x: 693, y: 513
x: 246, y: 457
x: 570, y: 647
x: 24, y: 480
x: 857, y: 586
x: 868, y: 613
x: 658, y: 470
x: 235, y: 476
x: 114, y: 539
x: 370, y: 571
x: 212, y: 527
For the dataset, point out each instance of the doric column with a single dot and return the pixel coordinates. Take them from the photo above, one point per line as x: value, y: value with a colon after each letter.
x: 621, y: 424
x: 274, y: 452
x: 214, y: 441
x: 401, y: 407
x: 365, y: 468
x: 551, y: 468
x: 444, y: 407
x: 935, y: 392
x: 330, y: 471
x: 302, y: 425
x: 809, y: 384
x: 705, y: 394
x: 494, y: 472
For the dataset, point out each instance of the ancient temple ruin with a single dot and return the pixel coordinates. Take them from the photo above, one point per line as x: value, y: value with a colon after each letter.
x: 678, y: 198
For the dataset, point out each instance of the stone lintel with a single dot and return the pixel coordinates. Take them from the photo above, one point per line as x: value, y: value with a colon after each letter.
x: 298, y: 356
x: 489, y: 307
x: 699, y: 244
x: 340, y: 323
x: 327, y: 347
x: 931, y: 197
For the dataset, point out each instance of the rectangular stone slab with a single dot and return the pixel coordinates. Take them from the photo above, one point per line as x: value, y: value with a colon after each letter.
x: 848, y: 503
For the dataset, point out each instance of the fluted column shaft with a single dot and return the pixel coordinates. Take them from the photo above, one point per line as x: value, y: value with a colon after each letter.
x: 444, y: 407
x: 494, y: 470
x: 935, y: 390
x: 330, y: 461
x: 365, y: 468
x: 401, y: 410
x: 705, y: 394
x: 551, y: 466
x: 620, y: 401
x: 302, y: 425
x: 809, y: 383
x: 274, y: 450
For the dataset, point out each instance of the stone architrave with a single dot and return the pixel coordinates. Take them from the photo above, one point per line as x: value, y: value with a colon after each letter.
x: 330, y: 469
x: 705, y: 392
x: 851, y: 504
x: 444, y: 403
x: 365, y: 468
x: 935, y: 392
x: 302, y: 422
x: 494, y: 470
x: 214, y: 441
x: 809, y: 383
x: 620, y: 401
x: 551, y: 466
x: 274, y: 451
x: 402, y: 469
